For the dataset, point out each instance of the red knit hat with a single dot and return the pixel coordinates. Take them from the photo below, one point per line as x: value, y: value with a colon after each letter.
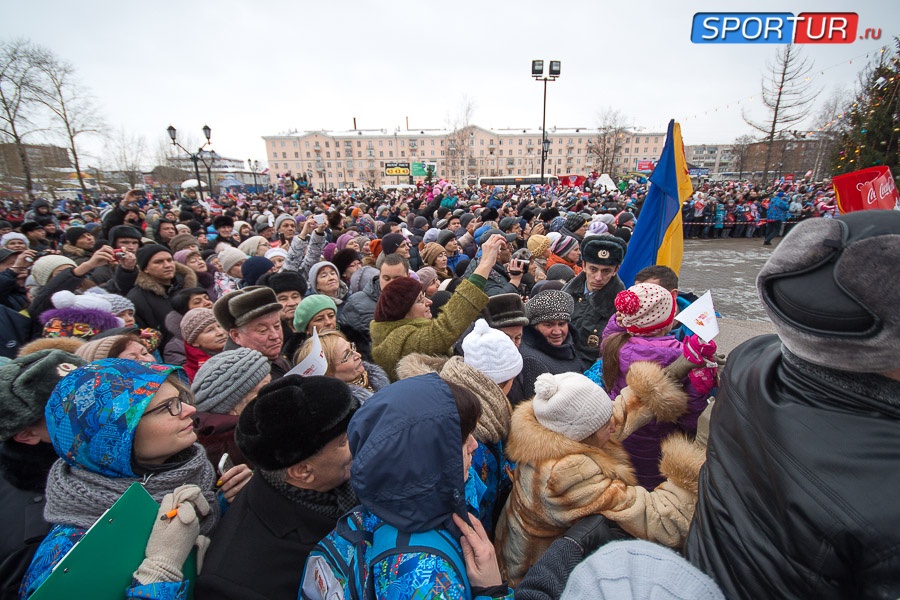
x: 396, y: 298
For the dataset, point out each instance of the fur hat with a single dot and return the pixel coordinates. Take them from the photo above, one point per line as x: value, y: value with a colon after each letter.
x: 145, y: 253
x: 563, y: 245
x: 570, y: 404
x: 603, y: 250
x: 431, y: 252
x: 292, y: 419
x: 194, y: 322
x: 239, y: 307
x: 25, y: 387
x: 216, y: 388
x: 396, y: 299
x: 549, y: 305
x: 229, y: 257
x: 831, y: 291
x: 285, y: 281
x: 506, y: 310
x: 644, y: 308
x: 538, y: 244
x: 391, y: 242
x: 344, y: 258
x: 124, y: 231
x: 638, y: 569
x: 492, y: 352
x: 309, y: 307
x: 182, y: 241
x: 222, y: 221
x: 44, y: 266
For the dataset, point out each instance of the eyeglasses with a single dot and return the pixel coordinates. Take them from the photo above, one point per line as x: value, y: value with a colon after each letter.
x: 420, y: 299
x: 349, y: 353
x: 173, y: 405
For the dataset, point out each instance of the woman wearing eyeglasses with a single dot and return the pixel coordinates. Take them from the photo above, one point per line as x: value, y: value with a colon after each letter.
x: 115, y: 422
x: 346, y: 364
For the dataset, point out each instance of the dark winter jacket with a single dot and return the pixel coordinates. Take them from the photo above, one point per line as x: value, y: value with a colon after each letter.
x: 539, y: 356
x: 12, y: 295
x: 498, y: 281
x: 798, y: 498
x: 592, y: 312
x: 152, y: 300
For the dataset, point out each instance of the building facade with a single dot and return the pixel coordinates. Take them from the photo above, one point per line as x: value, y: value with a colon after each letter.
x: 718, y: 158
x: 363, y: 157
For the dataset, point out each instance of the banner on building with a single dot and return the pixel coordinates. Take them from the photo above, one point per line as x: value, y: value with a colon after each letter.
x: 396, y: 168
x: 871, y: 188
x: 645, y: 165
x: 420, y: 169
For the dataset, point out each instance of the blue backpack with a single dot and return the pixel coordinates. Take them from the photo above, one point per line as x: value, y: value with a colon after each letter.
x: 339, y: 567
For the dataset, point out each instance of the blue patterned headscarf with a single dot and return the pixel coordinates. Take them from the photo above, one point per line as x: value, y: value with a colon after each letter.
x: 94, y: 410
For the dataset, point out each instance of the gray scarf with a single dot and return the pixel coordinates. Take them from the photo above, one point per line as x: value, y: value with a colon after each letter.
x: 79, y: 497
x: 331, y: 504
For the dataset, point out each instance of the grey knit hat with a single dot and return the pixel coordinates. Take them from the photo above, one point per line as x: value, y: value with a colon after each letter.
x: 25, y: 387
x: 119, y: 303
x: 549, y: 305
x: 217, y: 387
x: 44, y: 266
x: 194, y: 322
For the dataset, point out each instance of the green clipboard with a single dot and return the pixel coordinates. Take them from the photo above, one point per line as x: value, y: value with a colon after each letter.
x: 101, y: 565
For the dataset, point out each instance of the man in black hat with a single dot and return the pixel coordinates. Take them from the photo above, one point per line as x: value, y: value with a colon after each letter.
x: 594, y: 291
x: 224, y: 226
x: 79, y: 244
x: 295, y: 434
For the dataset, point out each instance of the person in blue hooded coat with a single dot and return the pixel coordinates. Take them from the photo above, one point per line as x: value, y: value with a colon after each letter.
x: 115, y: 422
x: 412, y: 448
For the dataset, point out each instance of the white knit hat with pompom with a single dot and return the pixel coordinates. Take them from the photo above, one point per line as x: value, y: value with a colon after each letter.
x: 571, y: 404
x: 492, y: 352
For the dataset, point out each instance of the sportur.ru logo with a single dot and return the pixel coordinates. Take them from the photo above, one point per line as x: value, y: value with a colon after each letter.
x: 778, y: 28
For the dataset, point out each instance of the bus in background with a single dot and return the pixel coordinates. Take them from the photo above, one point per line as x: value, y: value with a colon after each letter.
x: 515, y: 181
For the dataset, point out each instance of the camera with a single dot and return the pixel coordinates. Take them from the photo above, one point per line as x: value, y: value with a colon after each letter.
x: 119, y: 255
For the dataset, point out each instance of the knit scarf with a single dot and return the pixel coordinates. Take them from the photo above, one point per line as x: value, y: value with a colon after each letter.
x: 363, y: 381
x: 79, y: 497
x: 331, y: 504
x: 496, y: 412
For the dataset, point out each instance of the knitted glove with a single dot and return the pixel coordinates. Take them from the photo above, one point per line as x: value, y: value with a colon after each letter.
x: 698, y: 352
x: 171, y: 540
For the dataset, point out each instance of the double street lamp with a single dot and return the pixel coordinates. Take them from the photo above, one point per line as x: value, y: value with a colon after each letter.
x: 253, y: 165
x: 194, y: 156
x: 537, y: 71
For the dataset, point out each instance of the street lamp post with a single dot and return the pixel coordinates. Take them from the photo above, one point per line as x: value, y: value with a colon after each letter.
x: 537, y: 71
x: 212, y: 156
x: 254, y: 168
x: 194, y: 156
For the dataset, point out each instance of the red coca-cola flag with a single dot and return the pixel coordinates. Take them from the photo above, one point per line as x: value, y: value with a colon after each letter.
x: 866, y: 189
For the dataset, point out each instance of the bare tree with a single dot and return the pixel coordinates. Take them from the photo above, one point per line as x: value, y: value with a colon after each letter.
x: 828, y: 128
x: 787, y: 93
x: 459, y: 148
x: 610, y: 139
x: 72, y: 107
x: 18, y: 79
x: 739, y: 148
x: 127, y: 153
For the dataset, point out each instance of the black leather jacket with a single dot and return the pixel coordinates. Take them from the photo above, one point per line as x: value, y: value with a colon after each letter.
x: 800, y: 494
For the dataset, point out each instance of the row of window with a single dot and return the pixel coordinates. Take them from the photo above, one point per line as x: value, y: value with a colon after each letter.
x: 413, y: 143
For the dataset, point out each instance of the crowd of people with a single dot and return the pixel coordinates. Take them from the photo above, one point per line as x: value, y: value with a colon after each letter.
x: 490, y: 411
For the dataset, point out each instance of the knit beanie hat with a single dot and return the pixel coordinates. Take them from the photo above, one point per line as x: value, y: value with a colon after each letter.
x: 574, y: 221
x: 343, y: 258
x: 445, y: 236
x: 254, y: 268
x: 25, y: 387
x: 560, y: 272
x: 563, y: 245
x: 570, y: 404
x: 97, y: 349
x: 73, y: 233
x: 217, y: 388
x: 286, y: 281
x: 506, y: 224
x: 145, y: 253
x: 431, y: 236
x: 118, y: 303
x: 12, y: 235
x: 229, y: 257
x: 239, y: 307
x: 391, y: 242
x: 282, y: 218
x: 251, y: 245
x: 426, y: 276
x: 342, y: 240
x: 492, y: 352
x: 81, y: 316
x: 314, y: 272
x: 645, y: 308
x: 44, y: 266
x: 194, y: 322
x: 538, y: 244
x: 597, y: 227
x: 396, y: 298
x: 638, y: 569
x: 309, y: 307
x: 506, y: 310
x: 182, y: 256
x: 292, y: 419
x: 431, y: 252
x: 182, y: 241
x: 549, y: 305
x: 273, y: 252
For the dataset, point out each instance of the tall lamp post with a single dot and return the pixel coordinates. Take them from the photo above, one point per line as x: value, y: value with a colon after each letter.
x: 212, y: 156
x: 254, y: 168
x: 194, y: 156
x: 537, y: 71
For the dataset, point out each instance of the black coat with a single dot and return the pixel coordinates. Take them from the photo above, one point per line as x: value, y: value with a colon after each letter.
x: 153, y: 301
x: 259, y: 549
x: 539, y: 356
x: 591, y: 315
x: 799, y: 494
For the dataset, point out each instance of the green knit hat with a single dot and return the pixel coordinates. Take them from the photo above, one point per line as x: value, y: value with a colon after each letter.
x: 309, y: 307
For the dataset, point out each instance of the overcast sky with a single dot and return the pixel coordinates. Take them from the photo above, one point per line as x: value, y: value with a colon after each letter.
x: 249, y: 69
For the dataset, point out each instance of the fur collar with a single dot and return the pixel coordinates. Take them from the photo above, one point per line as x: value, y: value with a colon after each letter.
x: 73, y: 251
x: 149, y: 284
x: 531, y: 443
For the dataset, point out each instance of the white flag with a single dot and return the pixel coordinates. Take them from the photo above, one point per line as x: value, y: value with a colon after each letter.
x: 315, y: 363
x: 700, y: 317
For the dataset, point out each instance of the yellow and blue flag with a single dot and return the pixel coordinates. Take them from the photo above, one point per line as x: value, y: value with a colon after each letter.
x: 658, y: 238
